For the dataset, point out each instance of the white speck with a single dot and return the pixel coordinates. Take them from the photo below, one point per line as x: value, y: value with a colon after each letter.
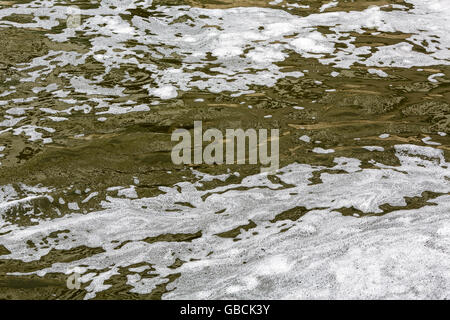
x: 373, y: 148
x: 305, y: 138
x: 274, y: 265
x: 165, y: 92
x: 313, y: 43
x: 57, y: 119
x: 73, y: 206
x: 433, y: 76
x: 321, y: 150
x: 380, y: 73
x: 427, y: 141
x: 89, y: 197
x: 128, y: 192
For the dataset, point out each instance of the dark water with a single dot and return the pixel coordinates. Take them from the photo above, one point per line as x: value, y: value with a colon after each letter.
x: 91, y: 91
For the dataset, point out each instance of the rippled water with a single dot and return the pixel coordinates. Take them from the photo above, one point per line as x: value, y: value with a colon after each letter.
x: 90, y: 92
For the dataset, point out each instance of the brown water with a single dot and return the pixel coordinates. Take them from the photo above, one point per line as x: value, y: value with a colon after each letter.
x: 77, y: 152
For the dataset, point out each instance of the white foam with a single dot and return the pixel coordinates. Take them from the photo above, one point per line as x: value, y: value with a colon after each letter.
x: 433, y: 76
x: 305, y: 138
x: 328, y: 5
x: 165, y: 92
x: 427, y: 140
x: 378, y: 72
x: 246, y: 44
x: 322, y: 150
x: 321, y: 255
x: 373, y: 148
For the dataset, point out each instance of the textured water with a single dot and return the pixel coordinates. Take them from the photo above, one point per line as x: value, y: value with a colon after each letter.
x: 90, y: 92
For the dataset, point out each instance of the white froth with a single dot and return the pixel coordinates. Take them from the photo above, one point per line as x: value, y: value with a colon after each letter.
x: 305, y: 138
x: 246, y: 44
x: 378, y: 72
x: 328, y: 5
x: 373, y: 148
x: 165, y: 92
x: 321, y: 255
x: 322, y: 150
